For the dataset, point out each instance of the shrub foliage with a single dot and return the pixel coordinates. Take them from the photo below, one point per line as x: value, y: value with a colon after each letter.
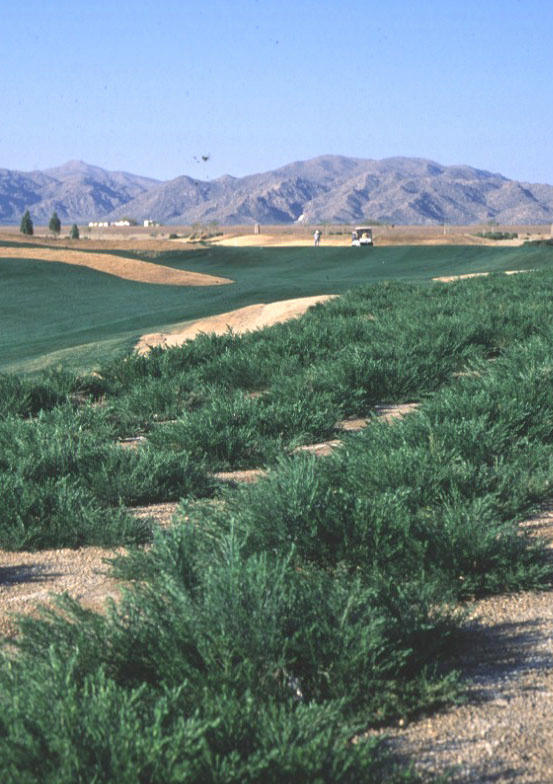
x: 264, y: 631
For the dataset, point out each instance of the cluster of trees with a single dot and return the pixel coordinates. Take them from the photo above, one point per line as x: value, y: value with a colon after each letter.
x: 54, y: 225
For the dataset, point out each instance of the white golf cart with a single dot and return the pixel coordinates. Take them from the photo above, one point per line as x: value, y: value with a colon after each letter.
x: 362, y: 237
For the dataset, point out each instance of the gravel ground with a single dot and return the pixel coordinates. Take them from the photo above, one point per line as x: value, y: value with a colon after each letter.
x: 504, y: 732
x: 31, y: 579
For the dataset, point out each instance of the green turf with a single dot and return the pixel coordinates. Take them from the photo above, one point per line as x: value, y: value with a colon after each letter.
x: 48, y: 308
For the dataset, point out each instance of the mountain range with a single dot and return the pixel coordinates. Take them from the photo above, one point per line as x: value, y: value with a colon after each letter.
x: 330, y: 188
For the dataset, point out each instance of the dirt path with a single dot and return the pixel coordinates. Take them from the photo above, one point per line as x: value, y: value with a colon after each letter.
x: 31, y: 579
x: 120, y: 266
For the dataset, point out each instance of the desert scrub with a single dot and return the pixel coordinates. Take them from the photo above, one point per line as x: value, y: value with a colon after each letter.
x: 23, y: 397
x: 140, y: 408
x: 385, y: 343
x: 268, y: 629
x: 62, y: 513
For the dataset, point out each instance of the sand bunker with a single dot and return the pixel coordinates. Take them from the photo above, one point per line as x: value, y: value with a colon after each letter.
x: 120, y: 266
x: 242, y: 320
x: 277, y: 241
x: 452, y: 278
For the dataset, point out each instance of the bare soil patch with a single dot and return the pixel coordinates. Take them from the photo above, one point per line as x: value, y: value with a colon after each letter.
x: 102, y: 240
x: 241, y: 320
x: 30, y: 579
x: 121, y: 267
x: 137, y: 237
x: 276, y: 241
x: 161, y: 513
x: 247, y: 476
x: 340, y: 236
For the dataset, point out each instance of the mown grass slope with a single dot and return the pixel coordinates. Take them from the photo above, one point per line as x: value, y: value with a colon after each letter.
x: 54, y: 313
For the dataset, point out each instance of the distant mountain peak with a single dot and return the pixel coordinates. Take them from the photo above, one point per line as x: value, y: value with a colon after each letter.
x: 73, y: 166
x: 330, y: 188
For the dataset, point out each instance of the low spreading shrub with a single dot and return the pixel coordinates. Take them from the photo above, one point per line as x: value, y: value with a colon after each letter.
x: 59, y: 513
x: 270, y: 627
x: 230, y: 670
x: 64, y: 480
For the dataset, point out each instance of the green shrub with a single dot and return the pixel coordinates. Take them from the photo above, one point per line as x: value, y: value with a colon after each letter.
x: 63, y: 471
x: 227, y: 668
x: 497, y: 235
x: 21, y: 397
x: 225, y: 432
x: 146, y: 475
x: 60, y: 513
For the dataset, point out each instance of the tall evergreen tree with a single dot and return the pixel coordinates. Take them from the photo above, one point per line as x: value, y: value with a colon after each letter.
x: 26, y: 226
x: 75, y: 232
x: 55, y: 223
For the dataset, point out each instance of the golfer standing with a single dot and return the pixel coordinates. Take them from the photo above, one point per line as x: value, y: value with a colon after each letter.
x: 317, y: 237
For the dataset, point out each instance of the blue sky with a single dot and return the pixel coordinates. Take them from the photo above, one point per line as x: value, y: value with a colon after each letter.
x: 149, y: 87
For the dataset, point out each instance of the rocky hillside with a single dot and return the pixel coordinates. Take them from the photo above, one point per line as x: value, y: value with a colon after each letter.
x: 77, y: 191
x: 328, y: 188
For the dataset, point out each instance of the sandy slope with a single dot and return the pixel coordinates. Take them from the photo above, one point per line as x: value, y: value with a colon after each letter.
x: 242, y: 320
x: 120, y: 266
x: 452, y: 278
